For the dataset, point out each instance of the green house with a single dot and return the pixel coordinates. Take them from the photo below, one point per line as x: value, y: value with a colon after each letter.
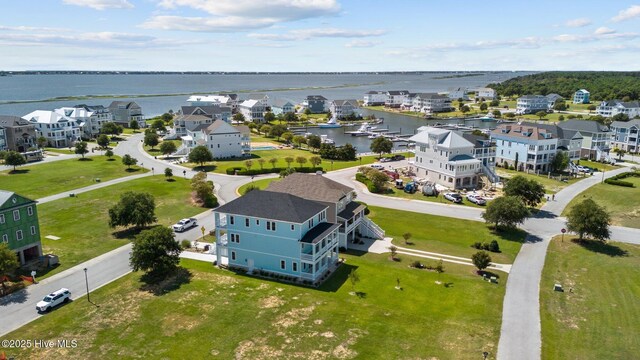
x: 19, y: 225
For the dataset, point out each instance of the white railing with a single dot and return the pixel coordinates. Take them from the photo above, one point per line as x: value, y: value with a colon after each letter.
x: 305, y: 256
x: 373, y: 227
x: 493, y: 177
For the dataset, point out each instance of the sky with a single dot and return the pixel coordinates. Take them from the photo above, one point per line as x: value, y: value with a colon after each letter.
x: 319, y: 35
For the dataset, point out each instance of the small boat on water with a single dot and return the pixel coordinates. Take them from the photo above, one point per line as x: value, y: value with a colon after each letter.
x: 332, y: 123
x: 363, y: 130
x: 325, y: 140
x: 373, y: 136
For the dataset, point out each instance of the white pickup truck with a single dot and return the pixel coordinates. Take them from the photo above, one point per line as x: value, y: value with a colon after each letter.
x: 184, y: 225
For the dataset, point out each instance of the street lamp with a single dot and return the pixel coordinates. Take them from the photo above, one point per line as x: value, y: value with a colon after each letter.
x: 86, y: 280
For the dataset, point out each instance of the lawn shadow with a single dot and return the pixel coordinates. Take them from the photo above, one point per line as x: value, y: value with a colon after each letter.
x: 170, y: 180
x: 517, y: 235
x: 602, y: 247
x: 489, y: 274
x: 338, y: 278
x: 163, y: 285
x: 130, y: 233
x: 205, y: 168
x: 532, y: 238
x: 361, y: 294
x: 85, y: 159
x: 353, y: 252
x: 111, y: 159
x: 130, y: 170
x: 19, y: 171
x: 448, y: 285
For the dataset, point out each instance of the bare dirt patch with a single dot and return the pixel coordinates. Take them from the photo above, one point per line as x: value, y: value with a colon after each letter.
x: 271, y: 302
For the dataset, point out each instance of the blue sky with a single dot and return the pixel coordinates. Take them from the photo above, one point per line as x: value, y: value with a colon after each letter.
x: 319, y: 35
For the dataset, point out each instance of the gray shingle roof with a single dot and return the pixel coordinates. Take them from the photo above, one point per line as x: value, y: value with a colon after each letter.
x: 316, y: 97
x: 273, y: 205
x: 316, y: 234
x: 13, y: 121
x: 583, y: 125
x: 626, y: 124
x: 311, y: 187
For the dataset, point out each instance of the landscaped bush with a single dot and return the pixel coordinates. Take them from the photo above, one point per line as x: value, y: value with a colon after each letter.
x: 370, y: 186
x: 493, y: 246
x: 276, y: 170
x: 417, y: 264
x: 619, y: 183
x: 185, y: 244
x: 616, y: 180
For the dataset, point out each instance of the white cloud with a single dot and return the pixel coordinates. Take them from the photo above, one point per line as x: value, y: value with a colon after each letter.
x: 91, y: 40
x: 361, y: 44
x: 101, y: 4
x: 306, y: 34
x: 239, y: 15
x: 604, y: 30
x: 581, y: 22
x: 629, y: 13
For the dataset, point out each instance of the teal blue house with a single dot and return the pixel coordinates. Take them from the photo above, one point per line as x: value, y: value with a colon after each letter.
x: 278, y: 233
x: 19, y: 226
x: 581, y: 97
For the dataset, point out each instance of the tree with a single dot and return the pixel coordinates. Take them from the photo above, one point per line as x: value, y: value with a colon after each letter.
x: 406, y: 236
x: 561, y: 118
x: 495, y: 102
x: 589, y: 219
x: 381, y: 145
x: 506, y: 210
x: 15, y: 159
x: 354, y: 278
x: 509, y: 115
x: 277, y: 130
x: 103, y: 141
x: 439, y: 268
x: 200, y: 154
x: 269, y: 117
x: 290, y: 117
x: 298, y: 140
x: 151, y: 139
x: 252, y: 126
x: 273, y: 162
x: 42, y: 141
x: 129, y: 161
x: 168, y: 173
x: 155, y: 251
x: 248, y: 164
x: 496, y: 114
x: 307, y: 111
x: 287, y: 136
x: 108, y: 153
x: 8, y: 260
x: 301, y: 160
x: 288, y: 160
x: 481, y: 260
x: 265, y: 129
x: 315, y: 161
x: 166, y: 117
x: 378, y: 179
x: 394, y: 251
x: 620, y: 152
x: 591, y: 107
x: 261, y: 162
x: 541, y: 114
x: 620, y: 117
x: 239, y: 117
x: 529, y: 190
x: 134, y: 208
x: 158, y: 125
x: 133, y: 124
x: 167, y: 147
x: 484, y: 106
x: 314, y: 142
x: 111, y: 128
x: 81, y: 148
x: 560, y: 161
x: 203, y: 190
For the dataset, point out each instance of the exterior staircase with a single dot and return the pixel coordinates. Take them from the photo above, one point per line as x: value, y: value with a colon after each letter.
x: 373, y: 228
x: 491, y: 175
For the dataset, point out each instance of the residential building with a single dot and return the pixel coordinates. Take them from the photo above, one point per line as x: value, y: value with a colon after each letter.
x: 223, y: 140
x: 211, y: 100
x: 431, y: 103
x: 19, y: 134
x: 596, y: 138
x: 59, y: 130
x: 3, y: 139
x: 316, y: 103
x: 375, y: 98
x: 343, y: 108
x: 581, y: 97
x: 124, y: 111
x: 458, y: 93
x: 232, y: 102
x: 262, y: 98
x: 395, y: 98
x: 525, y: 146
x: 253, y: 110
x: 89, y: 118
x: 446, y: 158
x: 189, y: 117
x: 624, y: 135
x: 553, y: 99
x: 283, y: 106
x: 611, y: 108
x: 342, y: 209
x: 484, y: 148
x: 531, y: 104
x: 569, y: 141
x: 407, y: 103
x: 277, y: 233
x: 19, y: 226
x: 486, y: 93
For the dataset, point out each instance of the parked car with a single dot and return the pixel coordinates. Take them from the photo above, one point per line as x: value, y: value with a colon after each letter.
x: 584, y: 169
x: 184, y: 225
x: 54, y: 299
x: 392, y: 174
x: 454, y: 197
x: 398, y: 157
x: 377, y: 166
x: 476, y: 199
x: 386, y: 159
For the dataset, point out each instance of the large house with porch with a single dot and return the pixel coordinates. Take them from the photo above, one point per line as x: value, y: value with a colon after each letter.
x: 374, y: 98
x: 282, y: 106
x: 90, y: 118
x: 252, y: 110
x: 596, y: 137
x: 611, y: 108
x: 395, y: 98
x: 431, y: 103
x: 59, y: 130
x: 581, y: 97
x: 317, y: 104
x: 343, y: 108
x: 19, y: 227
x: 531, y: 104
x: 19, y: 134
x: 525, y: 146
x: 223, y: 140
x: 123, y: 112
x: 624, y: 135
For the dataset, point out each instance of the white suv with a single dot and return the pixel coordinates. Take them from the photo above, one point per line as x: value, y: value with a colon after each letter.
x: 184, y: 224
x: 54, y: 299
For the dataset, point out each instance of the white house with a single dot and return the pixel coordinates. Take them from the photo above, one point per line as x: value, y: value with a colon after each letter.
x: 343, y: 108
x: 59, y: 130
x: 581, y: 97
x: 222, y: 139
x: 253, y: 110
x: 262, y: 98
x: 624, y: 135
x: 190, y: 117
x: 283, y: 106
x: 553, y: 99
x: 395, y: 98
x: 91, y: 118
x: 210, y: 100
x: 486, y: 93
x: 431, y: 103
x: 457, y: 93
x: 611, y: 108
x: 446, y: 158
x: 375, y: 98
x: 531, y: 104
x: 525, y: 146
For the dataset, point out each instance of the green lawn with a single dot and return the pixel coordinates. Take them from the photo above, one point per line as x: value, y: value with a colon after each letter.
x: 445, y: 235
x: 222, y: 315
x: 598, y: 318
x: 156, y: 149
x: 598, y: 165
x: 393, y: 192
x: 551, y: 185
x: 45, y: 179
x: 261, y: 184
x: 82, y: 222
x: 622, y: 202
x: 59, y: 150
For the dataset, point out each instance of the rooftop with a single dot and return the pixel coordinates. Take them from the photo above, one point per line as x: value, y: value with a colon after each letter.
x: 311, y: 187
x: 316, y: 234
x: 273, y: 205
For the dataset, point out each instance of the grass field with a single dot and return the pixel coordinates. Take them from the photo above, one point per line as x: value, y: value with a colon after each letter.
x: 223, y: 315
x: 596, y: 316
x: 82, y: 222
x: 45, y: 179
x: 551, y: 185
x: 445, y: 235
x: 60, y: 150
x: 261, y: 184
x: 393, y: 192
x: 622, y: 202
x: 156, y: 149
x: 598, y: 165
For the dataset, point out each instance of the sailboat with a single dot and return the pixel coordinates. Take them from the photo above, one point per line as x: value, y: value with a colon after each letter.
x: 332, y: 123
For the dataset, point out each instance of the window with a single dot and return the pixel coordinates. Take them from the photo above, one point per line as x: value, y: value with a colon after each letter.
x: 233, y: 255
x: 231, y: 220
x: 235, y: 238
x: 246, y: 222
x: 33, y: 230
x: 257, y: 222
x: 283, y: 265
x: 1, y: 218
x: 5, y: 238
x: 30, y: 210
x: 19, y: 235
x: 294, y: 266
x: 16, y: 215
x: 293, y: 227
x: 271, y: 225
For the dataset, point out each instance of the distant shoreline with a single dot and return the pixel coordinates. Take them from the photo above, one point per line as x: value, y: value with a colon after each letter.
x: 96, y: 72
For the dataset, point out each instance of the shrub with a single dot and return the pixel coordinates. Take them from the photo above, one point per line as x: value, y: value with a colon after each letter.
x: 494, y: 247
x: 185, y: 244
x: 477, y: 245
x: 417, y: 264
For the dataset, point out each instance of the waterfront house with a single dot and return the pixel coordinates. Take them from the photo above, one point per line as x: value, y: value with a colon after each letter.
x: 340, y: 200
x: 407, y: 103
x: 343, y: 108
x: 444, y: 157
x: 553, y: 99
x: 317, y: 104
x: 223, y: 140
x: 212, y: 100
x: 190, y: 117
x: 262, y: 98
x: 624, y: 135
x: 596, y: 137
x: 89, y: 118
x: 19, y: 134
x: 59, y: 130
x: 395, y: 98
x: 253, y: 110
x: 123, y: 112
x: 431, y: 103
x: 277, y: 233
x: 19, y: 226
x: 486, y: 93
x: 611, y: 108
x: 375, y: 98
x: 531, y: 104
x: 458, y: 93
x: 283, y: 106
x: 525, y: 146
x: 581, y: 97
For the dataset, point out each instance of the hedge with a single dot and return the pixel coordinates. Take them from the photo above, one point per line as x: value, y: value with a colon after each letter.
x: 615, y: 180
x: 370, y: 186
x: 276, y: 170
